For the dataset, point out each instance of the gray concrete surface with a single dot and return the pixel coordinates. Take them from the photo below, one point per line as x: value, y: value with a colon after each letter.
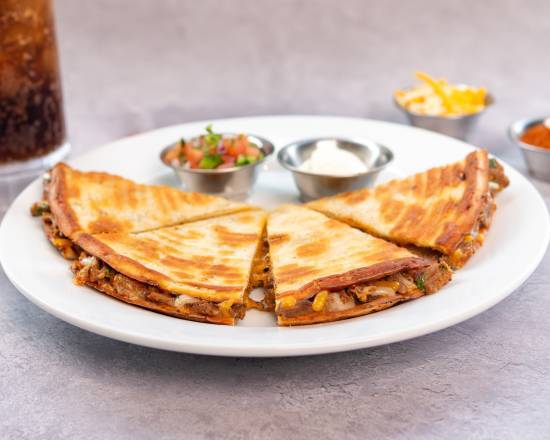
x: 131, y: 66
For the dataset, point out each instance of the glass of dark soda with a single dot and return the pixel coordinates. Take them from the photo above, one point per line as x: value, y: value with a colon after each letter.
x: 32, y: 126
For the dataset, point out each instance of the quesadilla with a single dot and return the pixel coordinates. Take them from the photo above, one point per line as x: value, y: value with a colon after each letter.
x: 199, y: 271
x: 446, y: 209
x: 324, y: 270
x: 93, y: 202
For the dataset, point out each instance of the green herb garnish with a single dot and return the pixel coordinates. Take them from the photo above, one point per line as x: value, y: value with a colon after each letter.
x: 420, y: 282
x: 241, y: 160
x: 212, y: 138
x: 210, y: 161
x: 40, y: 208
x: 492, y: 163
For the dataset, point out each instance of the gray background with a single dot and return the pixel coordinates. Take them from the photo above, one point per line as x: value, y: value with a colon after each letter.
x: 131, y: 66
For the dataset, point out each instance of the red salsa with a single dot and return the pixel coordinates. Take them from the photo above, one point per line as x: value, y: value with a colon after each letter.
x: 538, y: 135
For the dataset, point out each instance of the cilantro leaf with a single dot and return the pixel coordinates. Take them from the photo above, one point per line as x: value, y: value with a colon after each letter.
x: 492, y: 162
x: 420, y: 281
x: 212, y: 138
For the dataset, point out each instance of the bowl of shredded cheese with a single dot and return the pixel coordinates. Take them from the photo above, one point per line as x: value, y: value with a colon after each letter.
x: 438, y: 105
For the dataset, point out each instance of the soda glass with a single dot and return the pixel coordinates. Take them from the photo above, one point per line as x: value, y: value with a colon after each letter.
x: 32, y: 126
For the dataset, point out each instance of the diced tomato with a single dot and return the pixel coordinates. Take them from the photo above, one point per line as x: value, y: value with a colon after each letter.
x: 241, y: 142
x: 243, y: 138
x: 228, y: 161
x: 172, y: 155
x: 187, y: 147
x: 252, y: 151
x: 193, y: 155
x: 227, y: 144
x: 237, y: 147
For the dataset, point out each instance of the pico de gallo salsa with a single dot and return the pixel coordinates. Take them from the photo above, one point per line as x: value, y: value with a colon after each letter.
x: 215, y: 151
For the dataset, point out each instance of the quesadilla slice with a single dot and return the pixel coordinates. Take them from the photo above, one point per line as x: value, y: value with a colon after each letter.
x: 94, y: 202
x: 199, y: 271
x: 324, y: 270
x: 446, y: 209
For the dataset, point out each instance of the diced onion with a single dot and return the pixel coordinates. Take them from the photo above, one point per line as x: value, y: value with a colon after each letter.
x: 335, y: 303
x: 88, y: 261
x: 182, y: 300
x: 374, y: 291
x: 405, y: 284
x: 383, y: 291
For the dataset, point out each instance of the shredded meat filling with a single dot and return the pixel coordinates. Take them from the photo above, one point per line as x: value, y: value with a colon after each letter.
x: 66, y: 247
x: 497, y: 179
x: 89, y: 270
x: 473, y: 241
x: 383, y: 292
x: 261, y: 277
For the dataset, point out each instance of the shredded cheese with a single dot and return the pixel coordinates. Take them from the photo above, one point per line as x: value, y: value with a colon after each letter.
x: 320, y: 301
x: 287, y: 302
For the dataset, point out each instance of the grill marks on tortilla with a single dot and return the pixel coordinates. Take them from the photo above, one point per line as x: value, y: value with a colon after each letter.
x: 204, y: 265
x: 108, y: 224
x: 312, y: 249
x: 209, y: 259
x: 354, y: 198
x: 162, y: 201
x: 386, y: 253
x: 435, y: 209
x: 433, y: 203
x: 435, y: 197
x: 247, y: 218
x: 93, y: 202
x: 336, y: 252
x: 410, y: 219
x: 294, y: 271
x: 276, y: 240
x: 392, y: 209
x: 225, y: 235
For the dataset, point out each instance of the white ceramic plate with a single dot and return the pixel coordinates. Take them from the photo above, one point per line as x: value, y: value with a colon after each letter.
x: 514, y: 247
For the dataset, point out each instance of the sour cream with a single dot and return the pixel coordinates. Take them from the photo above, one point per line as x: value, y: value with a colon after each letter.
x: 330, y: 160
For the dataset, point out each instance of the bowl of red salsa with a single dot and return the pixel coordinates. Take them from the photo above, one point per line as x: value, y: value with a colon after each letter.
x: 224, y: 164
x: 532, y: 135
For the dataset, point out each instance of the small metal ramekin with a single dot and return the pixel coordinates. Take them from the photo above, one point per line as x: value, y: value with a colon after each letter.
x: 236, y: 182
x: 313, y: 186
x: 458, y: 127
x: 537, y: 159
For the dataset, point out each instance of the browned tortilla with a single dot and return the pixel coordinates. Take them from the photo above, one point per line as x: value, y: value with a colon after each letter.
x: 209, y: 260
x: 325, y: 254
x: 94, y: 203
x: 434, y: 209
